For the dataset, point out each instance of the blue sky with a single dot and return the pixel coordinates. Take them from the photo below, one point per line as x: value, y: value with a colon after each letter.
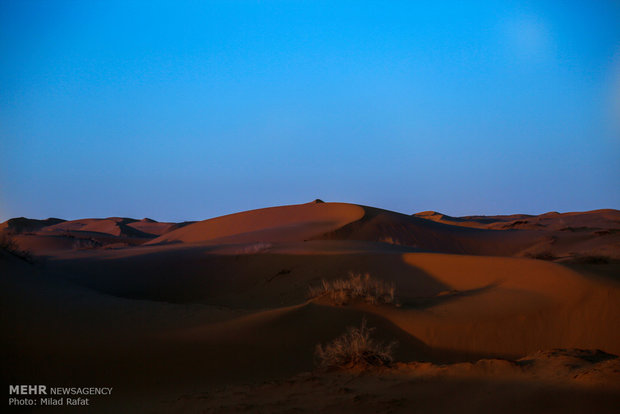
x: 189, y: 110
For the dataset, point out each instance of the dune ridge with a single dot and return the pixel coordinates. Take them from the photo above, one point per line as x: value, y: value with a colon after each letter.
x: 287, y: 223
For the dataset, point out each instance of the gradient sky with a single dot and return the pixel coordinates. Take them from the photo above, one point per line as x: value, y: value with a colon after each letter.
x: 189, y: 110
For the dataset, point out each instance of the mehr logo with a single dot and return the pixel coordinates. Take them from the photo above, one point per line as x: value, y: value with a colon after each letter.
x: 42, y: 395
x: 27, y: 390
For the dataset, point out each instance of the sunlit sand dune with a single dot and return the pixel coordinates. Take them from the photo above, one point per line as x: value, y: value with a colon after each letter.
x: 288, y: 223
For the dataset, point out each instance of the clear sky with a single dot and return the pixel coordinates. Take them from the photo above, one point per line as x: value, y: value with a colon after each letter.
x: 188, y: 110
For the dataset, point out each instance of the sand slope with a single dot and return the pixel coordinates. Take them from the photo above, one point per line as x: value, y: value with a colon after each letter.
x: 475, y: 304
x: 288, y: 223
x: 509, y: 306
x: 595, y: 219
x: 557, y: 381
x: 395, y: 228
x: 44, y: 237
x: 25, y: 225
x: 113, y: 226
x: 586, y: 236
x: 577, y: 237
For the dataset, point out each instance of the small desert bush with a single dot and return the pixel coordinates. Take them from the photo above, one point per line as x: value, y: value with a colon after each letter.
x: 253, y: 248
x: 357, y: 286
x: 83, y: 244
x: 355, y: 348
x: 390, y: 240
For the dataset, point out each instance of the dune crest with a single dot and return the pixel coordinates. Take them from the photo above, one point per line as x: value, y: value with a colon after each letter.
x: 287, y: 223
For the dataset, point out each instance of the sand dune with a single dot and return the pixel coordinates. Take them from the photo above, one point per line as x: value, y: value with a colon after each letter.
x: 509, y: 306
x: 25, y: 225
x: 563, y: 236
x: 154, y: 228
x: 224, y: 302
x: 54, y: 235
x: 395, y: 228
x: 113, y: 226
x: 551, y: 236
x: 466, y: 304
x: 574, y: 221
x: 288, y: 223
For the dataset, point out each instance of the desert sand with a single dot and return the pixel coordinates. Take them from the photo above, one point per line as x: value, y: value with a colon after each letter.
x: 491, y: 314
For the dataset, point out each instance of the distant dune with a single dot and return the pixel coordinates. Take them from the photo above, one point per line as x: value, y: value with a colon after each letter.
x: 25, y: 225
x: 596, y: 219
x: 53, y: 235
x: 553, y: 236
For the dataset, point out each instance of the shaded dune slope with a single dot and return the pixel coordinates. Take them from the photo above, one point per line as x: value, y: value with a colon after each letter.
x: 113, y: 226
x: 395, y: 228
x: 20, y: 225
x: 471, y: 304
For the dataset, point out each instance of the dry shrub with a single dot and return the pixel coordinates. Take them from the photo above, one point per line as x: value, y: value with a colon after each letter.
x: 357, y: 286
x: 83, y: 244
x: 390, y: 240
x: 253, y: 248
x: 355, y: 348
